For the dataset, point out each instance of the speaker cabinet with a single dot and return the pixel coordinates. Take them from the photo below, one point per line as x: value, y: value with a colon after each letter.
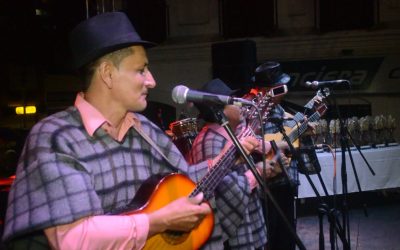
x: 234, y: 62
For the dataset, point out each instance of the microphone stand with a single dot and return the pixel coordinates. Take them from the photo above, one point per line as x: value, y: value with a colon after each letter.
x: 324, y: 209
x: 332, y: 214
x: 223, y: 121
x: 344, y: 137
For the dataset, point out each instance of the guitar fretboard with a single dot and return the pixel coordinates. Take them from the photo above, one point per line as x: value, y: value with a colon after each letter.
x: 210, y: 181
x: 300, y: 129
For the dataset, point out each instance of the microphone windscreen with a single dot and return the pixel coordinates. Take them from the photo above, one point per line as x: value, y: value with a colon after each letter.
x: 179, y: 94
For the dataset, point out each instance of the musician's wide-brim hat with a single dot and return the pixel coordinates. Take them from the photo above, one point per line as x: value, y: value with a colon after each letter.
x: 269, y: 74
x: 100, y: 35
x: 218, y: 87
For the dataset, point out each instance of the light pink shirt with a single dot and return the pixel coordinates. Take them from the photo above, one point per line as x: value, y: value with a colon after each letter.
x: 101, y: 232
x: 93, y: 119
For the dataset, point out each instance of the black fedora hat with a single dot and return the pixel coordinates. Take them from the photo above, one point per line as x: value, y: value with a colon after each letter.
x: 100, y: 35
x: 270, y: 74
x: 215, y: 86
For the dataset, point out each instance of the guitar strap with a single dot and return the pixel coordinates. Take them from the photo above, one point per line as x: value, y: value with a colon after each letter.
x: 155, y: 146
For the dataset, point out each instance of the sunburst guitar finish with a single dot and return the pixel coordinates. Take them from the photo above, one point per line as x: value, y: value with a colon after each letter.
x: 168, y: 189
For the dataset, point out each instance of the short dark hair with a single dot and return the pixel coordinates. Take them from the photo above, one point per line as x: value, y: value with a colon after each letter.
x: 87, y: 71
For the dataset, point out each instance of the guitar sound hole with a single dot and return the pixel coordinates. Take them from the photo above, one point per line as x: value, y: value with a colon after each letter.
x: 174, y: 237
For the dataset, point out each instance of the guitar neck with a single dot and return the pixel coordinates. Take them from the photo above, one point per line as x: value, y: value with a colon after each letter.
x: 310, y: 103
x: 301, y: 128
x: 210, y: 181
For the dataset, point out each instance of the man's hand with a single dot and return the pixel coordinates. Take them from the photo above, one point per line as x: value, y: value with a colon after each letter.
x: 183, y: 214
x: 272, y: 167
x: 312, y: 125
x: 285, y: 161
x: 282, y: 145
x: 250, y: 144
x: 311, y: 130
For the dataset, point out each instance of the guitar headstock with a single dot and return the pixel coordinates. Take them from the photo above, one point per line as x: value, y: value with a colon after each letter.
x: 323, y: 93
x: 321, y: 109
x: 263, y: 104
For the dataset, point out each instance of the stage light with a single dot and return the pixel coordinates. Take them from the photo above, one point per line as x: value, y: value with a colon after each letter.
x: 28, y: 110
x: 19, y: 110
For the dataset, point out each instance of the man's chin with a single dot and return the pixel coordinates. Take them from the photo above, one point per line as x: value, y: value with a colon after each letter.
x: 140, y: 108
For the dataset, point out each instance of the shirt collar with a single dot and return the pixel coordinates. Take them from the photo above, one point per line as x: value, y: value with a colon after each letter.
x: 92, y: 118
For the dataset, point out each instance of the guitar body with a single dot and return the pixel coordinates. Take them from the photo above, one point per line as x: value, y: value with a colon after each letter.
x: 293, y: 134
x: 279, y: 137
x: 168, y: 189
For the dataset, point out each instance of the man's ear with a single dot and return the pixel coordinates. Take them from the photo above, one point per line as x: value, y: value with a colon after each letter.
x: 105, y: 72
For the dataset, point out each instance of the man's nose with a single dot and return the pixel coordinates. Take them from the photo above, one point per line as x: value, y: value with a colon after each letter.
x: 150, y: 81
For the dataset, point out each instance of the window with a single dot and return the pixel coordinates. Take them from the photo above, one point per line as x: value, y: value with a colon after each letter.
x: 335, y: 15
x: 149, y: 18
x: 244, y: 18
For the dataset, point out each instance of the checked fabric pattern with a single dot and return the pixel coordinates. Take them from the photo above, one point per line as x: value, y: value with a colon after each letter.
x: 64, y: 174
x: 238, y: 209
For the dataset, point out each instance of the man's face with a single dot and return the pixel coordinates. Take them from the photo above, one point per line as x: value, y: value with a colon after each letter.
x: 232, y: 112
x: 132, y: 81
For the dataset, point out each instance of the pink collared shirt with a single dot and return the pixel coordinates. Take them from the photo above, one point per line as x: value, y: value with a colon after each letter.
x: 101, y: 232
x: 93, y: 119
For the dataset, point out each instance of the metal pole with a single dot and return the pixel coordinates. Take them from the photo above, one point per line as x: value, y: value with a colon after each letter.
x: 87, y: 9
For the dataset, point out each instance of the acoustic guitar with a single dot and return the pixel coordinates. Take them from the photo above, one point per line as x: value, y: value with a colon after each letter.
x: 295, y: 132
x: 160, y: 190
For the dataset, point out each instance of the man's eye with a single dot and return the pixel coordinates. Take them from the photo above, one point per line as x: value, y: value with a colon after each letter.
x: 143, y: 71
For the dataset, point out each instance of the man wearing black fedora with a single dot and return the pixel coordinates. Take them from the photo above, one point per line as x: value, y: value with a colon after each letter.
x: 239, y: 219
x: 266, y: 76
x: 81, y: 168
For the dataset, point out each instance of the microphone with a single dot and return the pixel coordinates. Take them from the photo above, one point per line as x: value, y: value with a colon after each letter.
x: 322, y: 84
x: 182, y: 94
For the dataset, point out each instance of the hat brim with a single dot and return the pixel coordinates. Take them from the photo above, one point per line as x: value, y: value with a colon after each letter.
x: 283, y: 79
x: 234, y: 92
